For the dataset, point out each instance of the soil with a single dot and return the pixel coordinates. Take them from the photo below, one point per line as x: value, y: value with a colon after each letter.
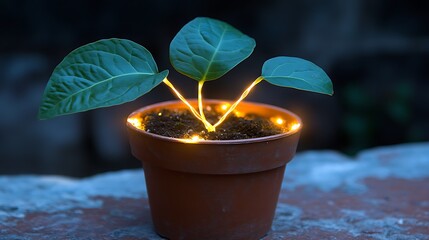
x: 183, y: 124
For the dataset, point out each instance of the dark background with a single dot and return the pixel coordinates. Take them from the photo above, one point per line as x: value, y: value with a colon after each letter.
x: 376, y: 52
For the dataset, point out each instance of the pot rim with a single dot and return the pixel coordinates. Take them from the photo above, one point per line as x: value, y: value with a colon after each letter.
x: 216, y: 142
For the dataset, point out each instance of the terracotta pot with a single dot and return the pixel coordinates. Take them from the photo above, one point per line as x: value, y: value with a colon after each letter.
x: 214, y: 189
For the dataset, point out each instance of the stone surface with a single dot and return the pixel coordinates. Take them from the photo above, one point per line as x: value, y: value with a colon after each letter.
x: 383, y: 193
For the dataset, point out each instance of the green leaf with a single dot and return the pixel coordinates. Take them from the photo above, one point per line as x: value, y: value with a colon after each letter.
x: 297, y: 73
x: 100, y: 74
x: 205, y: 49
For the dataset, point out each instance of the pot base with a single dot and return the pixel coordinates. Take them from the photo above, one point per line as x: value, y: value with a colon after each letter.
x: 201, y: 206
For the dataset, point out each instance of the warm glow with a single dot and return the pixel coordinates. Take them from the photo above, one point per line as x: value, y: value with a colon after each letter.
x: 193, y: 139
x: 196, y: 138
x: 295, y: 126
x: 225, y: 106
x: 239, y: 114
x: 135, y: 122
x: 278, y: 120
x: 291, y: 126
x: 160, y: 114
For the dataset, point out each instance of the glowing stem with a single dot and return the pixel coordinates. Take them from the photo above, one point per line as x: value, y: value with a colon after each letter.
x: 200, y: 99
x: 243, y: 95
x: 168, y: 83
x: 208, y: 125
x: 195, y: 112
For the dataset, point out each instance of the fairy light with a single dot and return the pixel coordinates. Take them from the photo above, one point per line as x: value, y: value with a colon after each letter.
x: 134, y: 121
x: 290, y: 126
x: 239, y: 114
x: 295, y: 126
x: 196, y: 138
x: 224, y: 106
x: 278, y: 120
x: 193, y: 139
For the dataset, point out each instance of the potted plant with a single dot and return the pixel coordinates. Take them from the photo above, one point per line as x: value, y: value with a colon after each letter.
x: 205, y: 178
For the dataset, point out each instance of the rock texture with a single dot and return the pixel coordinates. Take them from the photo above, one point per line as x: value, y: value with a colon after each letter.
x: 383, y: 193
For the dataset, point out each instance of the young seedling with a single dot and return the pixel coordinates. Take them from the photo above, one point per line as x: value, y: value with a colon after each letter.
x: 114, y: 71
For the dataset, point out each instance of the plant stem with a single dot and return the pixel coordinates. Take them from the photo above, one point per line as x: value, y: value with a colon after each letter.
x: 169, y: 84
x: 195, y: 112
x: 200, y: 115
x: 243, y: 95
x: 208, y: 125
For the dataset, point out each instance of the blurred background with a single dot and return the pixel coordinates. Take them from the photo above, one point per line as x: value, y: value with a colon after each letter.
x: 376, y: 53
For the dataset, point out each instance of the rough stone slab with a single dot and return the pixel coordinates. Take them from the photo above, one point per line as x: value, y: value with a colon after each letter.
x: 383, y: 193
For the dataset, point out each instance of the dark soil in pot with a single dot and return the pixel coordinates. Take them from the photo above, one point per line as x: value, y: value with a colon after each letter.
x: 181, y: 123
